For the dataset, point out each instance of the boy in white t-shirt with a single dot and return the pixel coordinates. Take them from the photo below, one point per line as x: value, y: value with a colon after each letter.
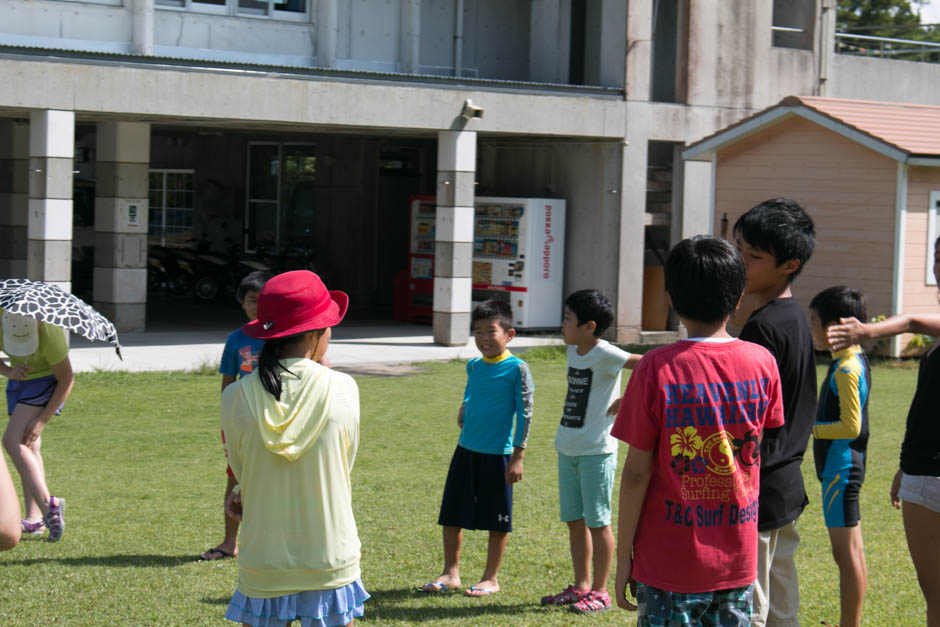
x: 587, y: 454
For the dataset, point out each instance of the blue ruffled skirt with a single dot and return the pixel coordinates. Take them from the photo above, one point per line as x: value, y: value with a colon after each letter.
x: 313, y: 608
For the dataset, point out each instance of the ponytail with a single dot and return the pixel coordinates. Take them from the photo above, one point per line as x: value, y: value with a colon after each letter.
x: 269, y: 366
x: 269, y: 362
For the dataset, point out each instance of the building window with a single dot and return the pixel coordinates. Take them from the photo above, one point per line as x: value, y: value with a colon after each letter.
x: 171, y: 207
x: 793, y: 23
x: 933, y: 232
x: 277, y: 9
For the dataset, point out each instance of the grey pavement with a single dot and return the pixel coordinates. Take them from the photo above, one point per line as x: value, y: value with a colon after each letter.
x: 358, y: 346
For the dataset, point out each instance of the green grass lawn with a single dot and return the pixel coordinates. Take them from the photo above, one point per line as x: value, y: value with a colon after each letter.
x: 138, y: 458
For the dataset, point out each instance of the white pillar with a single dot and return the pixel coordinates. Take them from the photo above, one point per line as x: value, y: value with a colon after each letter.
x: 142, y: 11
x: 327, y: 32
x: 453, y: 240
x: 121, y: 210
x: 639, y: 49
x: 697, y: 199
x: 409, y: 37
x: 49, y: 224
x: 14, y: 197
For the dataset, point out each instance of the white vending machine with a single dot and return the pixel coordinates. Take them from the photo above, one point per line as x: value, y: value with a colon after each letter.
x: 518, y: 255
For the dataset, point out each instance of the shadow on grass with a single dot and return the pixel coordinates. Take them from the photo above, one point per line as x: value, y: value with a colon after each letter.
x: 118, y: 561
x: 218, y: 600
x: 398, y: 604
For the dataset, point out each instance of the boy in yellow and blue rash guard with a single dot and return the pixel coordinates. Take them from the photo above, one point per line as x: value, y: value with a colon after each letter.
x: 840, y: 441
x: 494, y: 424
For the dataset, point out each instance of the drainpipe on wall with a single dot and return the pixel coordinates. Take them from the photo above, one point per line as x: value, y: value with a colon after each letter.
x: 458, y: 40
x: 900, y: 224
x: 142, y: 37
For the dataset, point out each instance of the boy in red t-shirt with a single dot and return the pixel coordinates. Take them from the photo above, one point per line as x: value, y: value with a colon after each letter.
x: 693, y: 415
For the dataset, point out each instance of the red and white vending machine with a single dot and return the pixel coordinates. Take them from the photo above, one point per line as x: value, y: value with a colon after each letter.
x: 518, y: 255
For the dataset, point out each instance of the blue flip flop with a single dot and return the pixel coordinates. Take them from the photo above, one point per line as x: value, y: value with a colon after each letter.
x: 435, y: 587
x: 483, y: 592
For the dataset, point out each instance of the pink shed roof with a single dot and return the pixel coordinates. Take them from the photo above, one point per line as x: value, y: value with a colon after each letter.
x: 898, y: 130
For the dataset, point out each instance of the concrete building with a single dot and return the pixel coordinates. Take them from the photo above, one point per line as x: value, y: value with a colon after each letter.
x: 310, y: 122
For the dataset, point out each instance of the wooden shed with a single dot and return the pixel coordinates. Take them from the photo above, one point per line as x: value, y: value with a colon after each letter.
x: 869, y: 175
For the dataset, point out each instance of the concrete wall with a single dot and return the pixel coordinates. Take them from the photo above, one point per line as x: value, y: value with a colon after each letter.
x: 868, y: 78
x: 849, y: 191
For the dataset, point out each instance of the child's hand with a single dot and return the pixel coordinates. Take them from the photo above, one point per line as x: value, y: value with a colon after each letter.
x: 614, y: 408
x: 33, y: 430
x: 849, y: 331
x: 624, y: 581
x: 19, y: 372
x: 513, y: 471
x: 233, y: 506
x: 460, y: 417
x: 895, y: 486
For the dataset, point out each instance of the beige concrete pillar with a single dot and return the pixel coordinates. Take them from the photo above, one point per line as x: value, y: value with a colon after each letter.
x: 121, y: 210
x: 14, y: 197
x: 629, y: 304
x: 453, y: 241
x: 409, y: 37
x: 49, y: 223
x: 639, y: 49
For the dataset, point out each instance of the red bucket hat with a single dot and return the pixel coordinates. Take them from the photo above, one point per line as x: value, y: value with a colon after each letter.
x: 294, y: 302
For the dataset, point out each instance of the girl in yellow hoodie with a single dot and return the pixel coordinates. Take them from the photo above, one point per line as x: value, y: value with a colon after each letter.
x: 291, y: 433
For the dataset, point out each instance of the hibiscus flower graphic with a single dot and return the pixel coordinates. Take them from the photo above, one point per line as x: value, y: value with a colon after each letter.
x: 685, y: 442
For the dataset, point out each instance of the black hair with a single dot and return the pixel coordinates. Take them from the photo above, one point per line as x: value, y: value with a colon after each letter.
x: 253, y: 282
x: 493, y: 308
x: 705, y: 278
x: 781, y: 227
x: 839, y: 302
x: 269, y: 361
x: 591, y: 306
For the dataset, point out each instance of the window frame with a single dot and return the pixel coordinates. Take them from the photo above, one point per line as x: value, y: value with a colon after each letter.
x: 163, y: 207
x: 933, y: 226
x: 231, y: 8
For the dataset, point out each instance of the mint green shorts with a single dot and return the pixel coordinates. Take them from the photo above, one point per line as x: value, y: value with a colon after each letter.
x: 585, y: 487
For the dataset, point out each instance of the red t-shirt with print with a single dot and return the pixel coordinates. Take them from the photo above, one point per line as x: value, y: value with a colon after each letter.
x: 701, y: 407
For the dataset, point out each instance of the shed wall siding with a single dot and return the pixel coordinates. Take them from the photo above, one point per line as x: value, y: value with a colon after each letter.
x: 849, y: 191
x: 919, y: 297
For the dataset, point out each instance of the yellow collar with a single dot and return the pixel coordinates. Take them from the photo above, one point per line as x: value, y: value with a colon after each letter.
x: 495, y: 360
x: 854, y: 349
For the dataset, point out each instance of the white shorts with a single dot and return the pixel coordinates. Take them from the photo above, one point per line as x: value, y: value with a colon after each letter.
x: 922, y: 490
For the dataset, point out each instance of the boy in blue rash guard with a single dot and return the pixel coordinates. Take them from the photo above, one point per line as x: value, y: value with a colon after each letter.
x: 840, y: 442
x: 494, y: 424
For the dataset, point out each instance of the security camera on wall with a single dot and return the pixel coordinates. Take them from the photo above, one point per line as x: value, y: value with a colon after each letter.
x: 470, y: 110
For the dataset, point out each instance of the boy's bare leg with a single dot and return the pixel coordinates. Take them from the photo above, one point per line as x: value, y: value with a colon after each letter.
x: 229, y: 544
x: 489, y: 583
x: 450, y: 577
x: 33, y: 513
x: 922, y: 528
x: 849, y: 553
x: 603, y: 541
x: 581, y: 552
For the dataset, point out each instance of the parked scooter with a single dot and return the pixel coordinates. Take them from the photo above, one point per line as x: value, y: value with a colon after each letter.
x: 166, y: 270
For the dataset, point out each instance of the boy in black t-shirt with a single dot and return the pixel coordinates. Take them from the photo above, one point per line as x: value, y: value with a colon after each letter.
x: 776, y: 239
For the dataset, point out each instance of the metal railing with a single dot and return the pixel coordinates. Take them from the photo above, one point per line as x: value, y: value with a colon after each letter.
x: 887, y: 47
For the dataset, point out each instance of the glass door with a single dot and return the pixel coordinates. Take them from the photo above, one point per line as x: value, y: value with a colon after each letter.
x: 280, y: 209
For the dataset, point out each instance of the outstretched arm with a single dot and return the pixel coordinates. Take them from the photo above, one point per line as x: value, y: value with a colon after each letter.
x: 851, y: 331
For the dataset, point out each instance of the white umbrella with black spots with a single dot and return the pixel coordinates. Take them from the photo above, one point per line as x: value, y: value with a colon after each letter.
x: 48, y: 303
